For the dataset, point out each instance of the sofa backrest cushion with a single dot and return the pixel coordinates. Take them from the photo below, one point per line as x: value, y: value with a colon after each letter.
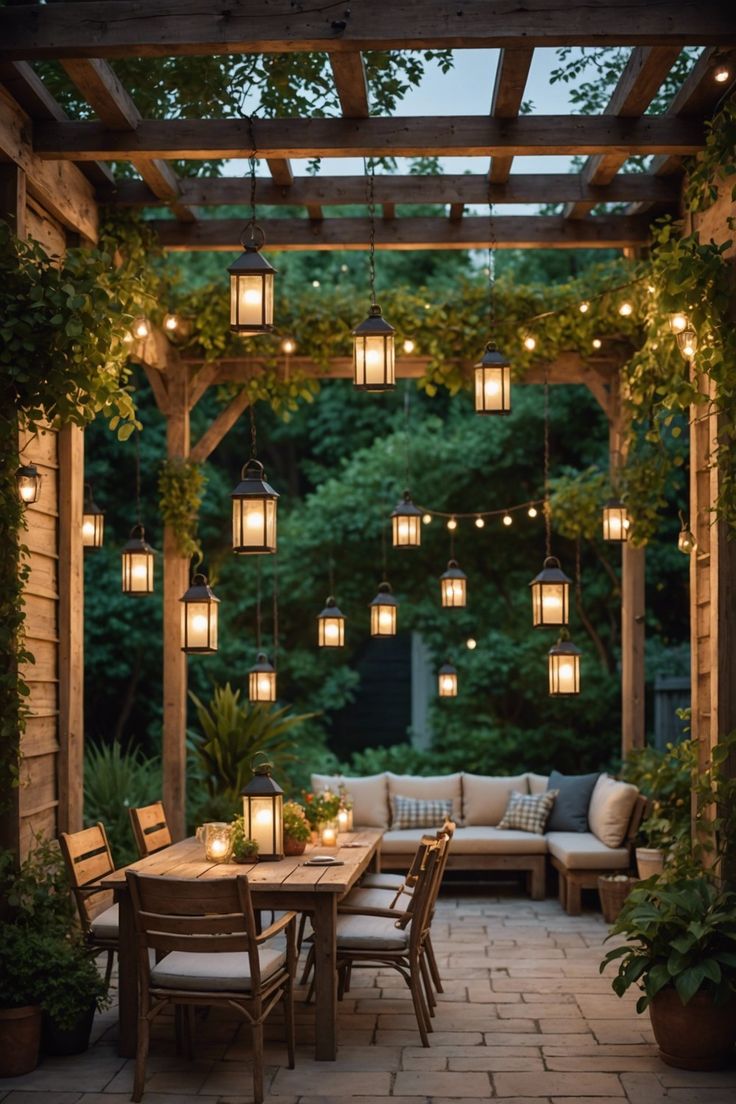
x: 369, y: 796
x: 419, y: 812
x: 537, y: 782
x: 437, y: 787
x: 570, y: 810
x: 611, y: 806
x: 485, y: 797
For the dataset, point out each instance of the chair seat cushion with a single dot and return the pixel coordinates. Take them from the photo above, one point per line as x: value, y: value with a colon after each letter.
x: 469, y: 841
x: 105, y: 924
x: 382, y: 881
x: 212, y: 971
x: 370, y: 933
x: 376, y: 899
x: 584, y: 851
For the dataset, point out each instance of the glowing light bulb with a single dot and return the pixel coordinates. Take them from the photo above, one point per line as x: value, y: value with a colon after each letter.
x: 141, y: 329
x: 678, y: 322
x: 139, y: 571
x: 427, y: 306
x: 507, y: 519
x: 584, y: 307
x: 491, y: 388
x: 27, y: 492
x: 532, y: 511
x: 199, y: 622
x: 447, y: 684
x: 372, y: 358
x: 385, y: 620
x: 344, y: 268
x: 331, y: 631
x: 452, y: 523
x: 597, y: 343
x: 315, y: 283
x: 252, y: 297
x: 171, y: 322
x: 263, y: 816
x: 264, y: 687
x: 721, y: 74
x: 88, y: 529
x: 288, y: 346
x: 479, y: 523
x: 625, y: 309
x: 530, y: 343
x: 409, y: 346
x: 471, y: 643
x: 427, y: 519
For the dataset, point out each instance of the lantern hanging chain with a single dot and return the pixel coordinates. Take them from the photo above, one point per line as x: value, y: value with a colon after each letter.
x: 452, y: 543
x: 275, y: 609
x: 258, y: 603
x: 253, y: 442
x: 138, y: 480
x: 252, y: 164
x: 547, y: 509
x: 371, y: 173
x: 407, y: 440
x: 331, y: 573
x: 384, y: 563
x: 491, y: 267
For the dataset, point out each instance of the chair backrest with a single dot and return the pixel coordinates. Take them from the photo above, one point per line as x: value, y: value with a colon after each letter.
x: 417, y: 863
x: 447, y: 832
x: 421, y: 905
x: 88, y: 859
x: 194, y: 915
x: 150, y: 829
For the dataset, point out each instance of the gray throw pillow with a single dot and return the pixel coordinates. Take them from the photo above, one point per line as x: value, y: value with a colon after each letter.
x: 570, y: 810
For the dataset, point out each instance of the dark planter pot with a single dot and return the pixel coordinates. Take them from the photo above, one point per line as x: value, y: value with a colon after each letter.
x: 61, y: 1041
x: 696, y: 1036
x: 20, y: 1035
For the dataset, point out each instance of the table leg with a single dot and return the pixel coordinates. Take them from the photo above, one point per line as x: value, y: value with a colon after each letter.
x: 127, y: 980
x: 324, y: 922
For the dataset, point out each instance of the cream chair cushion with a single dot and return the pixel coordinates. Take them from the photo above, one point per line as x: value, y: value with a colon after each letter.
x: 537, y: 782
x: 105, y: 924
x: 213, y: 971
x: 485, y: 797
x: 369, y: 796
x: 376, y: 899
x: 439, y: 787
x: 584, y: 851
x: 610, y: 809
x: 370, y: 933
x: 382, y: 881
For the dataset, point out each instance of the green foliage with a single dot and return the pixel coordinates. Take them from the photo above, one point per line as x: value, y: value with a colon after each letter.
x: 715, y: 163
x: 681, y: 934
x: 321, y: 808
x: 666, y: 778
x: 117, y: 779
x: 244, y: 849
x: 180, y: 489
x: 296, y: 825
x: 72, y: 983
x: 576, y: 501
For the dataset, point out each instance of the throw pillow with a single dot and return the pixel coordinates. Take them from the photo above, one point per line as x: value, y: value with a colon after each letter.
x: 574, y: 791
x: 369, y: 796
x: 610, y: 810
x: 528, y: 812
x: 408, y: 812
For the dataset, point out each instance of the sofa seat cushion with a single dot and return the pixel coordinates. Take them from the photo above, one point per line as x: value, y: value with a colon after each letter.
x: 370, y: 933
x: 105, y: 924
x: 438, y: 787
x: 369, y: 796
x: 477, y: 840
x: 584, y: 851
x: 485, y: 796
x: 226, y: 971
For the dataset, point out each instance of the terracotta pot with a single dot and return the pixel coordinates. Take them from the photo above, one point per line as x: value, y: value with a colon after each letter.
x: 649, y: 861
x: 293, y: 846
x: 20, y: 1036
x: 699, y: 1035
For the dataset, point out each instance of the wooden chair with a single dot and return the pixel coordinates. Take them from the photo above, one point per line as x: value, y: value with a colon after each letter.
x: 209, y: 953
x: 150, y: 829
x: 88, y: 859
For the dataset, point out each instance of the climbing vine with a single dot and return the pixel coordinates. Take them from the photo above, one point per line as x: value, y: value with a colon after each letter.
x: 180, y: 488
x: 715, y: 163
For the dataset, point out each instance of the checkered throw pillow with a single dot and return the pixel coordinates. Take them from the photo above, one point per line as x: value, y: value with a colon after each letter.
x: 528, y: 812
x: 410, y: 812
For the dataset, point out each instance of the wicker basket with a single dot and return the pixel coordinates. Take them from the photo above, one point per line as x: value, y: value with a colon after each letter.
x: 613, y: 894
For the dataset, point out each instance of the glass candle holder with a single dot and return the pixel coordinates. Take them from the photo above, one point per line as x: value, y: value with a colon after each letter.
x: 345, y: 819
x: 217, y: 841
x: 328, y: 835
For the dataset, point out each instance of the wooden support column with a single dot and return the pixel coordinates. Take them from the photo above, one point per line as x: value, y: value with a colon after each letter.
x: 176, y: 581
x: 71, y: 629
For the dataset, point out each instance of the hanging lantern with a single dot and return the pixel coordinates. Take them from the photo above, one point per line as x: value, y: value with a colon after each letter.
x: 493, y: 382
x: 406, y: 524
x: 374, y: 358
x: 453, y: 586
x: 447, y: 681
x: 93, y: 522
x: 615, y: 521
x: 383, y: 612
x: 686, y: 542
x: 28, y: 479
x: 563, y: 662
x: 199, y: 617
x: 331, y: 626
x: 138, y: 563
x: 141, y: 328
x: 550, y: 595
x: 262, y: 680
x: 254, y: 511
x: 687, y: 343
x: 263, y: 813
x: 677, y: 322
x: 251, y: 286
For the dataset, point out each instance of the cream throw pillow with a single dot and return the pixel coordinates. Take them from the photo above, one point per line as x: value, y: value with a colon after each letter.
x: 369, y: 796
x: 611, y: 806
x: 485, y: 797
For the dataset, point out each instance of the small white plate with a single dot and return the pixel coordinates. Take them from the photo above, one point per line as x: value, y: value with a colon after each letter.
x: 323, y: 860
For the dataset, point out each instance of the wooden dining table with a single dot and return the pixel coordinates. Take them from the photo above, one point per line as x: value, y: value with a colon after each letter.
x: 289, y: 884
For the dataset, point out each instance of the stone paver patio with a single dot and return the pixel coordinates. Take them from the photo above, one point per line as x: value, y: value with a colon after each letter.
x: 525, y: 1018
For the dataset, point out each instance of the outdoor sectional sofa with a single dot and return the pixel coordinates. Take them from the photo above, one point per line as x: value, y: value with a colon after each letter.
x: 478, y: 804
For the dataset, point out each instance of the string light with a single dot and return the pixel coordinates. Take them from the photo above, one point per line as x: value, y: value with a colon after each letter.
x: 471, y: 643
x: 677, y: 322
x: 315, y: 283
x: 426, y: 519
x: 626, y: 309
x: 288, y: 346
x: 408, y: 346
x: 596, y: 343
x: 171, y: 322
x: 584, y: 307
x: 141, y: 329
x: 530, y: 343
x: 721, y: 74
x: 532, y: 511
x: 479, y: 523
x: 452, y: 523
x: 507, y: 519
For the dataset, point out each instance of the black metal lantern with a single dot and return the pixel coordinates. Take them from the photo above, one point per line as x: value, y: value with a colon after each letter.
x: 331, y: 626
x: 687, y: 343
x: 453, y: 586
x: 374, y: 357
x: 406, y: 524
x: 199, y: 617
x: 493, y: 382
x: 262, y: 680
x: 447, y: 681
x: 138, y: 557
x: 93, y: 521
x: 254, y: 511
x: 563, y: 662
x: 615, y: 521
x: 263, y: 813
x: 251, y: 286
x: 28, y: 478
x: 550, y: 595
x: 383, y: 612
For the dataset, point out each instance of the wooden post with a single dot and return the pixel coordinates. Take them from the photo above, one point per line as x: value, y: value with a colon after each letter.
x: 176, y: 581
x: 71, y: 629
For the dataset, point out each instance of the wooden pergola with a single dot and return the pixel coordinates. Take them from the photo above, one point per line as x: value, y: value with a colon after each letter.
x: 55, y: 172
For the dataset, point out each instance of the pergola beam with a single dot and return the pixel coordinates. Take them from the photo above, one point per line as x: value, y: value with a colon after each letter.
x: 119, y: 28
x: 508, y: 93
x: 462, y: 135
x: 510, y: 232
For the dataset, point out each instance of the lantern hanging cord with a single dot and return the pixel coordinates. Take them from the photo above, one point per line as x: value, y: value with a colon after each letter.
x: 252, y: 164
x: 275, y: 609
x: 384, y: 565
x: 547, y: 509
x: 578, y: 576
x: 452, y: 543
x: 370, y: 171
x: 258, y: 603
x: 491, y: 267
x: 407, y: 440
x: 138, y: 478
x: 331, y: 573
x: 253, y: 442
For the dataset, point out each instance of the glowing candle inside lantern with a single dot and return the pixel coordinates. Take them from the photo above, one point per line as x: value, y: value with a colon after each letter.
x: 88, y: 530
x: 342, y: 819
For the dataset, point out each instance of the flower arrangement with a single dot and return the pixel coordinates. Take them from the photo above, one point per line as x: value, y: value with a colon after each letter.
x: 244, y: 850
x: 320, y: 807
x: 296, y: 825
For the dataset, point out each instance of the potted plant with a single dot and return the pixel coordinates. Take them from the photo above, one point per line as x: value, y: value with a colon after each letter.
x: 665, y: 777
x: 22, y: 953
x: 297, y: 832
x: 680, y: 950
x: 73, y: 991
x: 244, y: 849
x: 319, y: 809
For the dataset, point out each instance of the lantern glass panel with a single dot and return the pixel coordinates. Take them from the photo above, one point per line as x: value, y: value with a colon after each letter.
x: 615, y: 522
x: 407, y: 530
x: 383, y: 620
x: 374, y: 361
x: 199, y: 626
x: 137, y: 571
x: 564, y: 672
x: 251, y: 301
x: 493, y: 389
x: 254, y: 525
x: 331, y: 632
x: 453, y: 592
x: 93, y: 529
x: 263, y: 817
x: 549, y: 603
x: 447, y: 684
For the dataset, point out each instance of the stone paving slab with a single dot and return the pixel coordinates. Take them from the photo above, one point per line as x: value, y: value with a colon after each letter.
x: 526, y: 1018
